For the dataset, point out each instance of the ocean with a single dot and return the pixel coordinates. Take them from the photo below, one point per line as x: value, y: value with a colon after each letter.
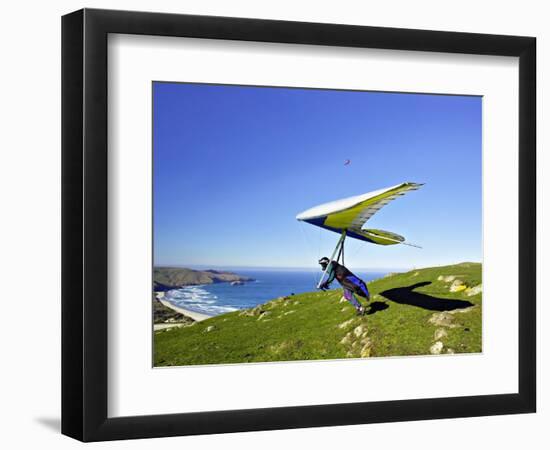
x: 220, y: 298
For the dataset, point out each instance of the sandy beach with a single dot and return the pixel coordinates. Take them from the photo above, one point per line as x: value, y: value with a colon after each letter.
x: 194, y: 315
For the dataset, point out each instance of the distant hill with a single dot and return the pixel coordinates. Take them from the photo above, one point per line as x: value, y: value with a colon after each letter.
x: 165, y: 278
x: 434, y: 311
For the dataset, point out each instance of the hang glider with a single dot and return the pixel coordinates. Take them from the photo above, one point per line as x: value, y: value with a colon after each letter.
x: 347, y: 217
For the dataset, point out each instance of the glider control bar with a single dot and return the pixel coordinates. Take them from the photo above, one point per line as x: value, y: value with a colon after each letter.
x: 338, y: 246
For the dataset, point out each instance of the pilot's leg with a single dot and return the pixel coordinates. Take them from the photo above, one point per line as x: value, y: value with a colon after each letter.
x: 348, y: 295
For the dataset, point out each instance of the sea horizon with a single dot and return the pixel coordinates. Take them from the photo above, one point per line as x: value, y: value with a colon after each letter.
x: 276, y: 268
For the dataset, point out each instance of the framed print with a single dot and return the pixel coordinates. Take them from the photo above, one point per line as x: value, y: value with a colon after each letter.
x: 291, y: 225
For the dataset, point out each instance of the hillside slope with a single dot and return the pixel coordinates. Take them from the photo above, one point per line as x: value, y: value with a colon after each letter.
x: 426, y: 311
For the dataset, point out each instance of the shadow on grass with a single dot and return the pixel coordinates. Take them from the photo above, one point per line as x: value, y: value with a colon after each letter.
x: 407, y: 296
x: 374, y: 307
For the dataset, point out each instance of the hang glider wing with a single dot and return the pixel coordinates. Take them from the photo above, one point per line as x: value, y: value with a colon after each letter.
x: 380, y: 237
x: 351, y: 214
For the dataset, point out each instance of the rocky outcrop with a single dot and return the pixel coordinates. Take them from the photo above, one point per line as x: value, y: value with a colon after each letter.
x: 358, y: 331
x: 251, y: 312
x: 446, y: 278
x: 346, y: 324
x: 474, y: 290
x: 357, y: 341
x: 440, y: 333
x: 458, y: 286
x: 442, y: 319
x: 264, y: 315
x: 446, y: 321
x: 436, y: 348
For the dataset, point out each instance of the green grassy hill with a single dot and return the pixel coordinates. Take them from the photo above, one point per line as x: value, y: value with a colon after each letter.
x: 426, y: 311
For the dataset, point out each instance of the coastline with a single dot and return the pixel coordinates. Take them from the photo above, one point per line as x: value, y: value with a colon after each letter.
x: 197, y: 317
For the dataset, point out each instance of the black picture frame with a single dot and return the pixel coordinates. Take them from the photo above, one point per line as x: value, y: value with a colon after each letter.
x: 84, y: 224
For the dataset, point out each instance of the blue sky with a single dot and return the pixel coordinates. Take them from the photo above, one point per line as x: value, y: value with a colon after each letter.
x: 233, y: 165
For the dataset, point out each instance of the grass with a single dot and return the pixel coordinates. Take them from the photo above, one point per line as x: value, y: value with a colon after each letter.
x: 409, y: 313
